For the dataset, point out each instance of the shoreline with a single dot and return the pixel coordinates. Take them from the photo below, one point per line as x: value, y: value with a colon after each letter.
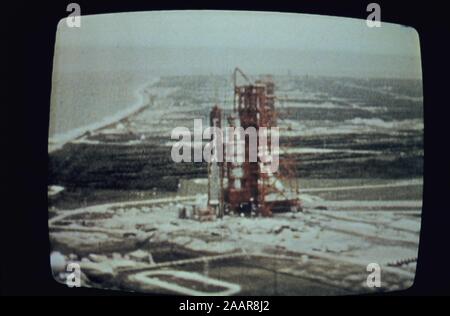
x: 58, y: 141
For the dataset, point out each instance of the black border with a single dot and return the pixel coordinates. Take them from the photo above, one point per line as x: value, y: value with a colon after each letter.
x: 32, y: 27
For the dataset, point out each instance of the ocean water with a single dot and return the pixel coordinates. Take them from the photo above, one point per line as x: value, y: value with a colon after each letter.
x: 82, y: 98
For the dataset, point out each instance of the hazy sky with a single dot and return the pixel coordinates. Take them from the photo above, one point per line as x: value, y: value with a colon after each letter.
x: 213, y: 41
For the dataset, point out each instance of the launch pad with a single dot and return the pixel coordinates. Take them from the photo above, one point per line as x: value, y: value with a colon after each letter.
x: 246, y: 186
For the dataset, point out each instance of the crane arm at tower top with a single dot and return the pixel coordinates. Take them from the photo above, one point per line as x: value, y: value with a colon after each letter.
x: 235, y: 73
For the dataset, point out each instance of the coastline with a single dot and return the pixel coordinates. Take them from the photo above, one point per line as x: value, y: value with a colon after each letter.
x: 58, y: 141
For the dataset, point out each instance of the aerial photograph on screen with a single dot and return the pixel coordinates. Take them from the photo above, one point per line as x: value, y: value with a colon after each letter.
x: 314, y: 188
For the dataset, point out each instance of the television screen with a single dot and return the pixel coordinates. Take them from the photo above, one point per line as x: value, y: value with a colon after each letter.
x: 235, y: 153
